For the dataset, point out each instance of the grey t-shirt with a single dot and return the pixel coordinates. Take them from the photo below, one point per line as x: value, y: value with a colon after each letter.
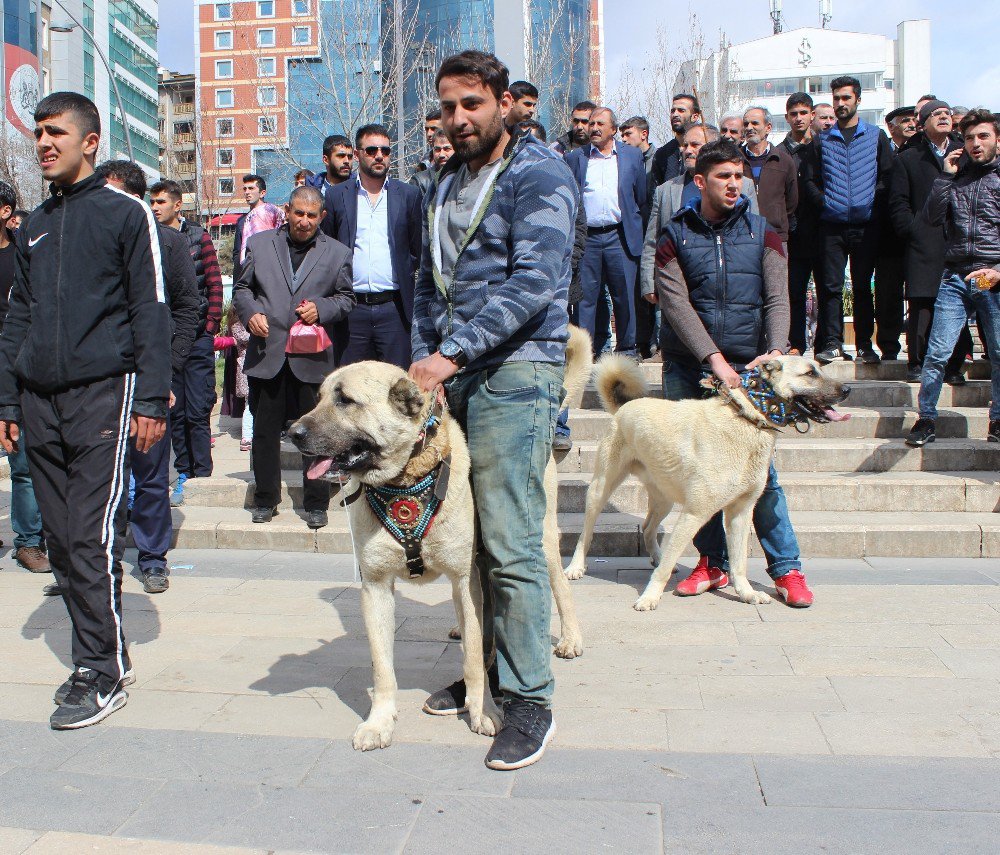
x: 457, y: 211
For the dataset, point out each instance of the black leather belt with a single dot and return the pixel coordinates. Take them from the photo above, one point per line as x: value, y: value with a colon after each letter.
x: 375, y: 298
x: 603, y: 230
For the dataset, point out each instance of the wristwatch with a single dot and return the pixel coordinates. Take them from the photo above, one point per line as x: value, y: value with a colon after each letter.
x: 453, y: 353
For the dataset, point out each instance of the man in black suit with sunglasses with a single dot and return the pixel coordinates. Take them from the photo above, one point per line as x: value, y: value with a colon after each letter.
x: 380, y: 219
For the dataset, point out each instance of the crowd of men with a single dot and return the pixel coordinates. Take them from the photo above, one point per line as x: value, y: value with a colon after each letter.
x: 467, y: 276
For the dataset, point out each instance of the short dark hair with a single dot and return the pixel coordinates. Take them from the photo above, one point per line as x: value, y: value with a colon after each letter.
x: 303, y: 174
x: 713, y: 153
x: 8, y: 197
x: 476, y: 65
x: 845, y: 81
x: 332, y: 141
x: 20, y: 212
x: 695, y: 106
x: 799, y: 99
x: 584, y: 105
x: 440, y: 132
x: 171, y: 188
x: 433, y: 116
x: 370, y: 131
x: 83, y: 109
x: 529, y: 125
x: 522, y: 89
x: 310, y: 192
x: 255, y: 179
x: 130, y: 174
x: 635, y: 122
x: 928, y: 98
x: 979, y: 116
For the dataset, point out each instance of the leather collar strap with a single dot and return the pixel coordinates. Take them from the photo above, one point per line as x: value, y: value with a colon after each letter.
x: 777, y: 412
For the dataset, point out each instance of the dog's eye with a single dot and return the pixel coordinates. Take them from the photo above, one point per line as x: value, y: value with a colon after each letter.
x: 342, y: 399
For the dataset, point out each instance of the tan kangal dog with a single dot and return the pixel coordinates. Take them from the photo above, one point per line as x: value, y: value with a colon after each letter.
x: 409, y: 470
x: 701, y: 455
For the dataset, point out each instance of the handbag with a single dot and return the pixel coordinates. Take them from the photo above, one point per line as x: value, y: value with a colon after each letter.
x: 307, y: 338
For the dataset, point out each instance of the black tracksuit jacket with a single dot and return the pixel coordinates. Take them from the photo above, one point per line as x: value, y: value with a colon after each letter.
x: 88, y: 299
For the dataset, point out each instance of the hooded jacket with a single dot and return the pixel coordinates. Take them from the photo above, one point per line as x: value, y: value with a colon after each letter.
x: 88, y: 299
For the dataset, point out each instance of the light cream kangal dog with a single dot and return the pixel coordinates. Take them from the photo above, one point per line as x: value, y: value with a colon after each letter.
x: 370, y: 426
x: 701, y: 455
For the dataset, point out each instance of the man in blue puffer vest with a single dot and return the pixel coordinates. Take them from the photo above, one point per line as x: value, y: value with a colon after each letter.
x: 848, y: 187
x: 722, y: 283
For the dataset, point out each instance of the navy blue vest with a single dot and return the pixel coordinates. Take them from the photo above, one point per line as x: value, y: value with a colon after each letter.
x: 723, y: 269
x: 850, y: 173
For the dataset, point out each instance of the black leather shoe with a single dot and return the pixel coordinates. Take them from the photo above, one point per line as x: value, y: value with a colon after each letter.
x: 869, y: 356
x: 561, y: 442
x: 155, y: 582
x: 913, y: 374
x: 262, y: 515
x: 316, y: 519
x: 956, y: 379
x: 53, y: 590
x: 921, y: 433
x: 993, y: 435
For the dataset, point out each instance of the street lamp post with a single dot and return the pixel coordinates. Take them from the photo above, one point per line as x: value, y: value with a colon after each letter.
x: 118, y: 95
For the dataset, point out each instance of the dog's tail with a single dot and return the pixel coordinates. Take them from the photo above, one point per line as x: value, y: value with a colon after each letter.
x: 619, y: 380
x: 579, y: 366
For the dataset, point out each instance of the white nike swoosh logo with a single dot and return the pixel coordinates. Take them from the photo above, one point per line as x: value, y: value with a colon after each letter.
x: 32, y: 242
x: 102, y: 700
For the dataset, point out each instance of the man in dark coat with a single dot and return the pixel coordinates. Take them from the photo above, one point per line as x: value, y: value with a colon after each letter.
x: 917, y: 166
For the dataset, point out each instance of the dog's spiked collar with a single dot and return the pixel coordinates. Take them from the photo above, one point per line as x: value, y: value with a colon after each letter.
x: 776, y: 412
x: 408, y: 513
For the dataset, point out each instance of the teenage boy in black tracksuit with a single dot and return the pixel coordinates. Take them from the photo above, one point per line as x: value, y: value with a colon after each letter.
x: 83, y: 365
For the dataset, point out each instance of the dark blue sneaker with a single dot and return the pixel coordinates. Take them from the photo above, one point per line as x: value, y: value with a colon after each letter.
x: 177, y: 496
x: 527, y: 730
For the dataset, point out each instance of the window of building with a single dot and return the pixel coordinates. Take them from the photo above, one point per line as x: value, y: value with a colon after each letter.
x: 223, y: 69
x: 224, y: 127
x: 223, y: 97
x: 265, y: 38
x: 265, y: 8
x: 227, y: 187
x: 300, y: 7
x: 301, y: 35
x: 267, y: 126
x: 223, y: 39
x: 266, y: 66
x: 267, y: 96
x: 223, y: 11
x: 225, y: 157
x: 183, y: 128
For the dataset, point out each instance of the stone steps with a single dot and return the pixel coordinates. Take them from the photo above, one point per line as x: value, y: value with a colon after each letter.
x: 903, y: 492
x: 855, y: 534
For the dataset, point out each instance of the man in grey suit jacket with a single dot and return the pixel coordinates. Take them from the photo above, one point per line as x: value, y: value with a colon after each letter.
x: 669, y: 198
x: 294, y: 273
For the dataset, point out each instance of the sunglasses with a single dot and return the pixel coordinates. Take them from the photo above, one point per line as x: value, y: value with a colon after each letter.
x: 372, y: 150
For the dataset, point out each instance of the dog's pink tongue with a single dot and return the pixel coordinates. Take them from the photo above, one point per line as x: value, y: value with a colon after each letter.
x: 834, y: 416
x: 319, y: 468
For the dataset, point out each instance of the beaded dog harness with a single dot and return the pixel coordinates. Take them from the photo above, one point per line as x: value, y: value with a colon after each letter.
x: 408, y: 513
x: 778, y: 412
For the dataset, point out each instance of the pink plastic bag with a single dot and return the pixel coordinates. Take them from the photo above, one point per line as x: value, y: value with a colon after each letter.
x: 307, y: 338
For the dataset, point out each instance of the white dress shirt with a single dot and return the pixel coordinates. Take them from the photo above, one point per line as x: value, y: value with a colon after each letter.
x: 600, y: 192
x: 372, y: 256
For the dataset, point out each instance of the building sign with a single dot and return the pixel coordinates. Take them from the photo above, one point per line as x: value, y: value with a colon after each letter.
x: 805, y: 53
x: 21, y: 87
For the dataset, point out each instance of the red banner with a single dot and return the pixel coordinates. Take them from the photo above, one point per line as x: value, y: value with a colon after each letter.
x: 21, y: 87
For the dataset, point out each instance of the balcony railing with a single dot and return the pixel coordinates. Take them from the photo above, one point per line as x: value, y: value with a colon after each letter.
x: 186, y: 108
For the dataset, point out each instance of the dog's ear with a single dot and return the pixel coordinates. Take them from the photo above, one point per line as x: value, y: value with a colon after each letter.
x: 772, y: 366
x: 405, y: 396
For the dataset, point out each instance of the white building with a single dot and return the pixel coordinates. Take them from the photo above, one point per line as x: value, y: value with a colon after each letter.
x: 764, y: 72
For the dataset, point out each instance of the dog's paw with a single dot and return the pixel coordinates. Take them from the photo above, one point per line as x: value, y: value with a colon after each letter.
x: 646, y: 603
x: 575, y: 571
x: 569, y: 647
x: 484, y: 724
x: 455, y: 632
x: 755, y: 598
x: 654, y: 557
x: 371, y: 735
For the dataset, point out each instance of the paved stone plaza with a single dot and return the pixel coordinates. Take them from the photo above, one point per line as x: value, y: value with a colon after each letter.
x: 869, y: 723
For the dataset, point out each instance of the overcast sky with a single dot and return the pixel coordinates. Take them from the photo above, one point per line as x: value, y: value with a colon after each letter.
x: 960, y: 74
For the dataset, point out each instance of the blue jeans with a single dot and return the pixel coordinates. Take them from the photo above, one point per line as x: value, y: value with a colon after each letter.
x: 25, y: 518
x: 770, y: 515
x: 957, y: 301
x: 606, y: 260
x: 562, y: 423
x: 508, y: 414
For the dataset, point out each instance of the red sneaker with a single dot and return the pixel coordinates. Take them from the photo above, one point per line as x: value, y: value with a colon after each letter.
x: 792, y: 588
x: 703, y: 578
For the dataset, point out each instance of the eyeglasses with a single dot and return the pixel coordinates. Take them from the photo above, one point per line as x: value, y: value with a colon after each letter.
x: 372, y: 150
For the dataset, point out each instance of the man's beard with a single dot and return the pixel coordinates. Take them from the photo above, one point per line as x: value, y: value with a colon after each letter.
x: 481, y: 143
x: 582, y: 136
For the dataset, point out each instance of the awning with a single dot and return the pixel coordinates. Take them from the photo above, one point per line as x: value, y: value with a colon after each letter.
x: 224, y: 220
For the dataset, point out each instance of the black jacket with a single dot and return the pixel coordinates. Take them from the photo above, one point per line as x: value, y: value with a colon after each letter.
x: 182, y: 294
x: 237, y: 246
x: 912, y: 177
x: 667, y: 163
x: 803, y: 237
x: 88, y: 301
